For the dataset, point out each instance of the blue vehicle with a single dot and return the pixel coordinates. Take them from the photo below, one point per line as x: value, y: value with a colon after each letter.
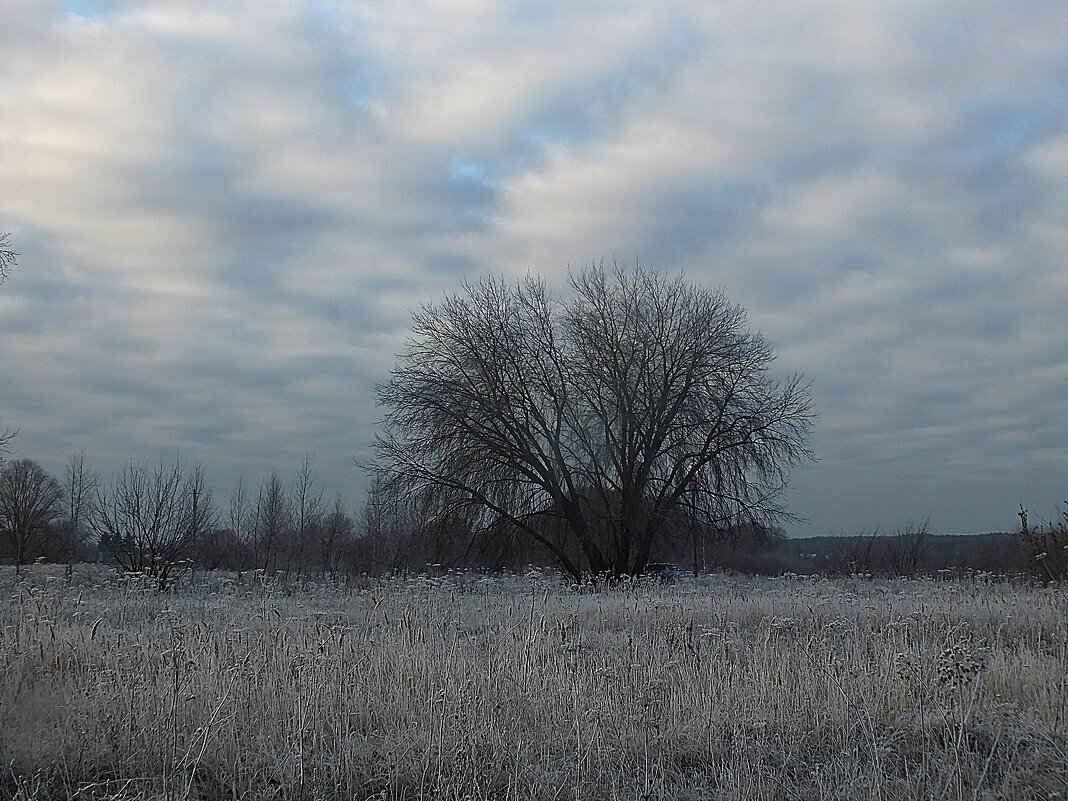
x: 666, y: 571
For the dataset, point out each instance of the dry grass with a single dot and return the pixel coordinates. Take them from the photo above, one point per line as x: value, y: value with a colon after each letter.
x: 470, y: 687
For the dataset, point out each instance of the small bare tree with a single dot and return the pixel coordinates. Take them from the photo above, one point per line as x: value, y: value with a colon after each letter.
x: 78, y: 486
x: 307, y: 500
x: 29, y: 505
x: 150, y: 518
x: 600, y: 416
x: 338, y: 530
x: 272, y: 522
x: 906, y: 549
x: 376, y: 526
x: 856, y: 555
x: 240, y: 517
x: 1048, y: 545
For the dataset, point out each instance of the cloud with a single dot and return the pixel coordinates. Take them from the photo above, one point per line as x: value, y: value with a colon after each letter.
x: 226, y: 211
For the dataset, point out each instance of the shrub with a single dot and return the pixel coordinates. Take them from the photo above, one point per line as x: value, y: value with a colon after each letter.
x: 1048, y: 545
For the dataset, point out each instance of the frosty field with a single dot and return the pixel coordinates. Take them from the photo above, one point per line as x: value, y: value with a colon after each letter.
x: 478, y: 687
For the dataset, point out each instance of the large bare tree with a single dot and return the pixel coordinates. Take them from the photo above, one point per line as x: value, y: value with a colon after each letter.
x: 7, y: 261
x: 7, y: 436
x: 592, y: 423
x: 29, y: 505
x: 8, y: 256
x: 150, y: 517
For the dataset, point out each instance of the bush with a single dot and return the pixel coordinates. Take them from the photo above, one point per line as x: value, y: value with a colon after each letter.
x: 1048, y: 545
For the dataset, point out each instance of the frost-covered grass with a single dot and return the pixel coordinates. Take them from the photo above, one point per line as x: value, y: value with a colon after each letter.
x: 494, y: 687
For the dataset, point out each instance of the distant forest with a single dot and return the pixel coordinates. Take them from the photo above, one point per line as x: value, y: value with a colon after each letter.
x: 913, y: 552
x: 161, y: 520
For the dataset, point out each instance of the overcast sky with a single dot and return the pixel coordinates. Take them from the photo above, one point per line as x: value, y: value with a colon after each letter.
x: 226, y: 210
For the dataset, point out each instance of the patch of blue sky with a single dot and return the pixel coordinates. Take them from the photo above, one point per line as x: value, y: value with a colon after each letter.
x: 324, y: 16
x: 330, y: 18
x: 83, y: 8
x: 532, y: 142
x: 528, y: 15
x: 358, y: 86
x: 566, y: 124
x: 593, y: 109
x: 467, y: 170
x: 559, y: 132
x: 995, y: 132
x: 355, y: 95
x: 470, y: 191
x: 1007, y: 130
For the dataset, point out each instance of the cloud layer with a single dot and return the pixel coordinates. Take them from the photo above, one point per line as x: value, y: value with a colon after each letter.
x: 226, y: 210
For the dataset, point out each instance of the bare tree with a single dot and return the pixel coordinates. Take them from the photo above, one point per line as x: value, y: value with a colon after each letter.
x: 338, y: 530
x: 7, y: 436
x: 376, y: 525
x: 399, y: 528
x: 856, y: 555
x: 1048, y: 545
x: 241, y: 513
x: 7, y: 256
x: 307, y: 512
x: 29, y: 505
x: 600, y: 416
x: 78, y: 486
x: 150, y: 518
x: 906, y: 549
x: 7, y: 261
x: 229, y: 546
x: 271, y: 522
x: 219, y: 548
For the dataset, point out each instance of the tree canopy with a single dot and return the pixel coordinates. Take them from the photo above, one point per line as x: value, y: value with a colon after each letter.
x: 29, y: 505
x: 592, y: 422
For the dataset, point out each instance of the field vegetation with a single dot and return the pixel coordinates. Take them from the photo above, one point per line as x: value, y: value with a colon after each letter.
x: 470, y: 686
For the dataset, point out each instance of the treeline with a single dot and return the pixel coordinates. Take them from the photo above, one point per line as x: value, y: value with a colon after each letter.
x: 162, y: 518
x: 905, y: 552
